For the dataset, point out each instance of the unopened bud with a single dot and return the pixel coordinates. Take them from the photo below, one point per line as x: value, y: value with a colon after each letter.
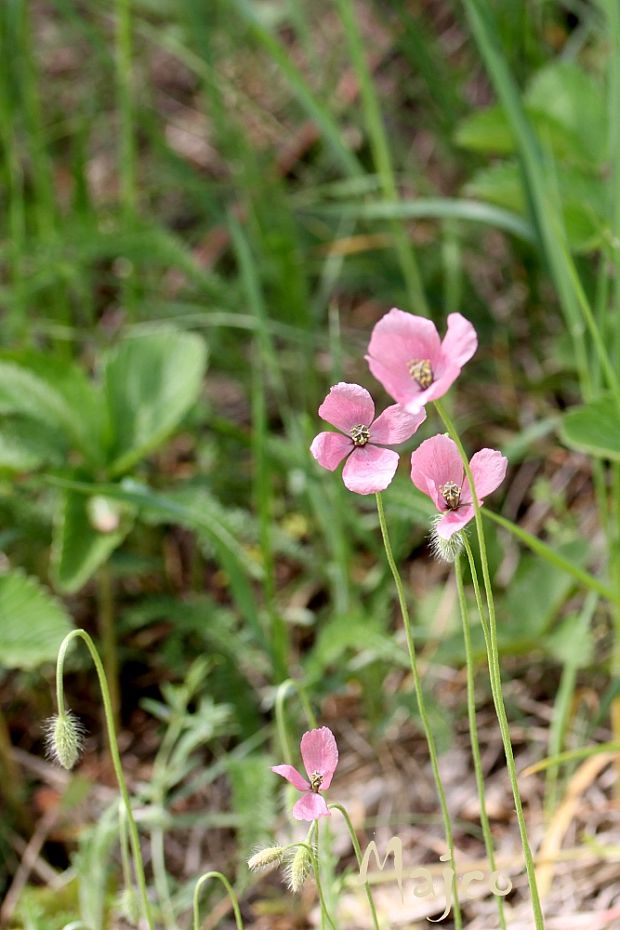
x: 127, y: 906
x: 64, y: 736
x: 446, y: 550
x: 299, y: 868
x: 265, y: 859
x: 104, y: 514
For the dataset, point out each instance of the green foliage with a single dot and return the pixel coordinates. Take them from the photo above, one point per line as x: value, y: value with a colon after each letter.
x: 150, y: 382
x: 32, y: 622
x: 593, y: 428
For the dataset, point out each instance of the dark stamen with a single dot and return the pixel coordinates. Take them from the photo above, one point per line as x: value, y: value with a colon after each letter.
x: 451, y: 493
x: 360, y: 435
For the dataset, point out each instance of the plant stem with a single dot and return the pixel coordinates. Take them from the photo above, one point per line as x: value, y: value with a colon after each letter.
x: 473, y: 732
x: 281, y: 695
x: 107, y: 633
x: 229, y: 890
x: 494, y: 666
x: 358, y: 856
x: 428, y: 733
x: 114, y: 753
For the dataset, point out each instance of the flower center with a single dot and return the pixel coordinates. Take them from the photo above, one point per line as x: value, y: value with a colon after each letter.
x: 421, y: 371
x: 360, y: 435
x: 451, y: 493
x: 316, y: 780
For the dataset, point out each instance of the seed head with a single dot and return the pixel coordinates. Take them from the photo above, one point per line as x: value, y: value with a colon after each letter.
x: 264, y: 860
x: 64, y: 738
x: 298, y: 868
x: 445, y: 550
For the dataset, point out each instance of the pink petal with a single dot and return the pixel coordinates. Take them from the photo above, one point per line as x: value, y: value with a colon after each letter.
x: 488, y: 468
x: 320, y: 754
x: 329, y: 449
x: 433, y: 463
x: 460, y: 341
x: 397, y: 339
x: 369, y: 469
x: 397, y: 381
x: 401, y: 337
x: 310, y: 806
x: 454, y: 520
x: 292, y: 775
x: 346, y: 406
x: 395, y: 425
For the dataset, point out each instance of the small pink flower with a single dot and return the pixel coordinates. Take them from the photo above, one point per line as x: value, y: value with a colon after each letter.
x: 369, y: 467
x: 437, y: 471
x: 407, y: 357
x: 320, y: 755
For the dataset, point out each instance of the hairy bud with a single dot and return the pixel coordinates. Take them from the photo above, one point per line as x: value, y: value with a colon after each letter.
x: 298, y: 868
x: 265, y: 859
x: 446, y: 550
x: 64, y: 737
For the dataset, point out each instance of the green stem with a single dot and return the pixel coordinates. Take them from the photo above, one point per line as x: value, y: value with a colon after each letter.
x: 229, y: 890
x: 553, y: 557
x: 473, y: 731
x: 428, y: 733
x: 358, y: 855
x: 107, y: 633
x: 494, y: 667
x: 114, y: 753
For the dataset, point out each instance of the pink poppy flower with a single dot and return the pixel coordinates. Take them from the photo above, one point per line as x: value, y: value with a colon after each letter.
x: 320, y: 756
x: 407, y: 357
x: 369, y: 467
x: 437, y: 471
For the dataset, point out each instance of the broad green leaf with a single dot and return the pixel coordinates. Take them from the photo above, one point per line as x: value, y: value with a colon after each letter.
x: 486, y: 130
x: 27, y: 444
x: 582, y: 198
x: 81, y: 395
x: 150, y: 383
x: 574, y: 101
x: 32, y: 622
x: 79, y: 548
x: 593, y: 428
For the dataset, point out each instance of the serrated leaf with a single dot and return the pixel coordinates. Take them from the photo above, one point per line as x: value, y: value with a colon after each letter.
x: 151, y: 381
x: 32, y: 622
x: 78, y: 548
x: 593, y: 428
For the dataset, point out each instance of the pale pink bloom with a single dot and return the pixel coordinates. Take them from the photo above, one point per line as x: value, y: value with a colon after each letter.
x: 320, y: 756
x: 407, y: 357
x: 369, y: 467
x: 437, y: 470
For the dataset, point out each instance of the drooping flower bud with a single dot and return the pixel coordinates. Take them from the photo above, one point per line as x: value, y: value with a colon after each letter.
x: 298, y: 868
x: 64, y: 737
x: 266, y: 859
x: 446, y: 550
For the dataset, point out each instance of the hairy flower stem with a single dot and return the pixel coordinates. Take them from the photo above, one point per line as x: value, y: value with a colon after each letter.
x: 229, y: 891
x: 428, y: 733
x: 358, y: 855
x: 473, y: 732
x: 107, y: 634
x: 114, y: 753
x: 494, y: 666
